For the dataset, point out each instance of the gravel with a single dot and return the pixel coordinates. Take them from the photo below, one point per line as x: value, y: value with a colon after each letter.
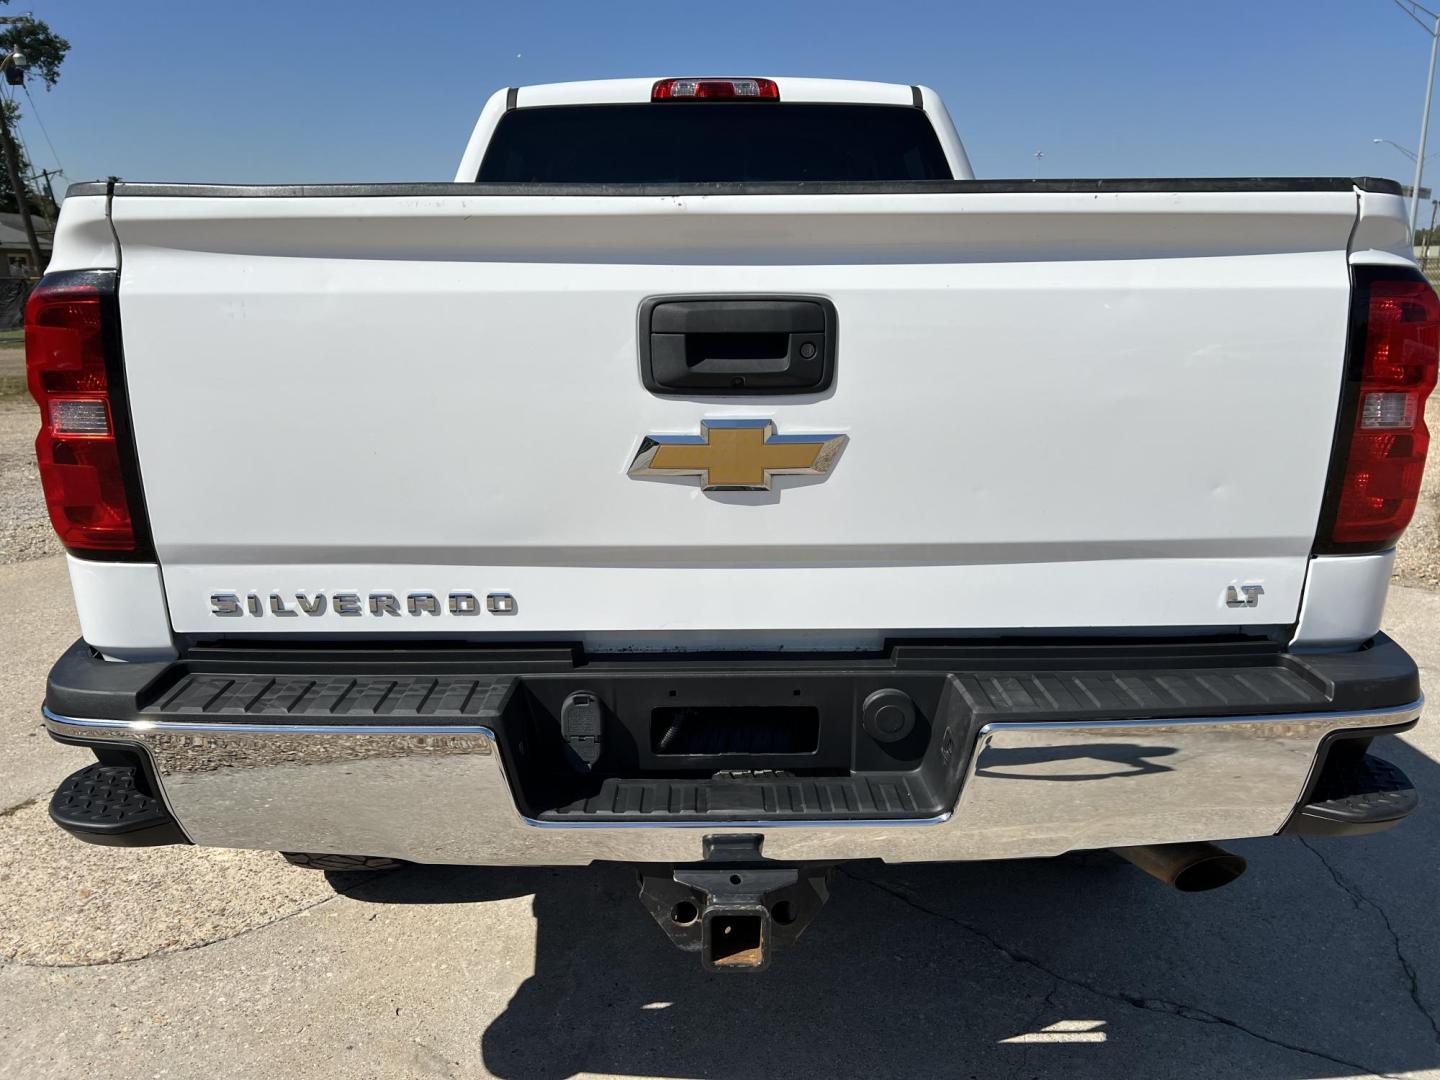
x: 25, y: 531
x: 84, y: 904
x: 1417, y: 558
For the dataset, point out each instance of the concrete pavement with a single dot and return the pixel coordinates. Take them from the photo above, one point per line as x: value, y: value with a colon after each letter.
x: 1322, y: 962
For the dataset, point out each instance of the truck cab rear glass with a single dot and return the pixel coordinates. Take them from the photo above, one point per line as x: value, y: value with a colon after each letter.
x: 713, y: 142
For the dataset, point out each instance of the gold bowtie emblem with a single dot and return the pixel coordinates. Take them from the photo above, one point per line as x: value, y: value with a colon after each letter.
x: 736, y: 455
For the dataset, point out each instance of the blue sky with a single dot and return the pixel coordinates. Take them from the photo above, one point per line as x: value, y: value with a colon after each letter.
x: 318, y: 90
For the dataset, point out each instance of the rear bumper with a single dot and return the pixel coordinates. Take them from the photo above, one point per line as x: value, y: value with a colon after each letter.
x: 238, y: 764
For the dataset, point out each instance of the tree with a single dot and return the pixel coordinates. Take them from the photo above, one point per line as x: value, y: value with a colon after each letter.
x: 43, y: 51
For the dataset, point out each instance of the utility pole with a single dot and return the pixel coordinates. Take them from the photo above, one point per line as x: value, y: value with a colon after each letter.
x: 1424, y: 126
x: 13, y: 67
x: 12, y: 166
x: 43, y: 177
x: 1432, y: 27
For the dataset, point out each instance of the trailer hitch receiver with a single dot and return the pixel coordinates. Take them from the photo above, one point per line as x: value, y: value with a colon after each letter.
x: 735, y: 907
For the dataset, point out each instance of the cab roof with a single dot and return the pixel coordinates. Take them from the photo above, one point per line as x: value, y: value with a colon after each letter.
x: 619, y: 91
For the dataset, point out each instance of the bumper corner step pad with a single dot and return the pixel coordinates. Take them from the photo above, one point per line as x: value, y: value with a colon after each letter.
x: 106, y: 804
x: 352, y: 699
x: 1357, y: 795
x: 761, y: 797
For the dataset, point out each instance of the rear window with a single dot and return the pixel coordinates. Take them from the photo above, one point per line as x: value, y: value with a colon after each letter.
x: 712, y: 142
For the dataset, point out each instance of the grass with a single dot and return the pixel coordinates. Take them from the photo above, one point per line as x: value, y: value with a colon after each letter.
x: 12, y: 339
x: 12, y: 372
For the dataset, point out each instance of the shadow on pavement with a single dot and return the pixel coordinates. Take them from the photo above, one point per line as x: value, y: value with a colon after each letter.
x: 1072, y: 967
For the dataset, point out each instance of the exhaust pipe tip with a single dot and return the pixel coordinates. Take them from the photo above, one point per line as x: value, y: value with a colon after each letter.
x: 1211, y: 872
x: 1186, y: 867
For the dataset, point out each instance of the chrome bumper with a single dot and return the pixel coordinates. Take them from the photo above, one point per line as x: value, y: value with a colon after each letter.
x: 441, y: 795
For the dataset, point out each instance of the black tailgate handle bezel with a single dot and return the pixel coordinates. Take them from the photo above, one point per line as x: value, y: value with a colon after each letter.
x: 729, y: 345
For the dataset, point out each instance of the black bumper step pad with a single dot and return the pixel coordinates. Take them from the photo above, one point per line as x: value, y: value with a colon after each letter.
x: 340, y: 697
x: 1012, y: 683
x: 1358, y: 793
x: 1022, y: 695
x: 108, y: 804
x: 777, y: 798
x: 1001, y: 696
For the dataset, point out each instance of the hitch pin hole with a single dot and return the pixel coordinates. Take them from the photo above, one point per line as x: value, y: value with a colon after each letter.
x: 684, y: 913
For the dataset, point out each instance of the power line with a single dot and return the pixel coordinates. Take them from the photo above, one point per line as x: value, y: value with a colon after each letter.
x: 44, y: 208
x: 33, y: 177
x: 35, y: 112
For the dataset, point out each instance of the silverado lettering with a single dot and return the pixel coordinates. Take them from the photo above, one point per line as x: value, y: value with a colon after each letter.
x: 233, y: 605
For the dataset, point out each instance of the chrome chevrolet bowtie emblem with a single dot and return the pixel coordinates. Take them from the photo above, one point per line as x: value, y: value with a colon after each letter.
x: 736, y: 455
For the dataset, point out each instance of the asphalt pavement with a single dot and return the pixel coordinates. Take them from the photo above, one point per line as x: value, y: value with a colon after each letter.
x: 1323, y: 961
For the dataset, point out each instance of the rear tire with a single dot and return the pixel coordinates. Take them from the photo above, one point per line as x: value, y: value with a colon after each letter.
x: 313, y: 861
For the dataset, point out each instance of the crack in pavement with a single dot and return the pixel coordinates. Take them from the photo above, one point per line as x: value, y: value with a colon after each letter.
x: 1360, y: 899
x: 11, y: 811
x: 165, y: 953
x: 1046, y: 1003
x: 1160, y: 1005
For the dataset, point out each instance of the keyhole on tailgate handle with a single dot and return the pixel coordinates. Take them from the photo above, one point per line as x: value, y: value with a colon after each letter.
x: 735, y: 879
x: 738, y: 380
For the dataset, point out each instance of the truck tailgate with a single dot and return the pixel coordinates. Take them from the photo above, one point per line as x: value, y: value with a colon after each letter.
x: 1063, y: 409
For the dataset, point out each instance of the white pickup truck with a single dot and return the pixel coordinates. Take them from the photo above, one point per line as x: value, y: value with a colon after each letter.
x: 717, y: 477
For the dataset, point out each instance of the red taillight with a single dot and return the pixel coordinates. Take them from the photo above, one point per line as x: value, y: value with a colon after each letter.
x: 1396, y: 324
x: 713, y: 89
x: 77, y: 448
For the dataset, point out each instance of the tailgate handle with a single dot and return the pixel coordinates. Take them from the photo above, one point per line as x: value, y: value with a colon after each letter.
x: 737, y: 345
